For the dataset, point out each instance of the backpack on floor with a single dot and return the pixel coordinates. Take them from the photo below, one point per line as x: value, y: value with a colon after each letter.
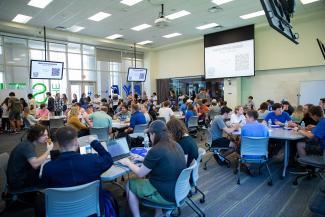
x: 109, y: 204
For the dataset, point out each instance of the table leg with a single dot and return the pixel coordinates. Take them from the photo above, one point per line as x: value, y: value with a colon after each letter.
x: 286, y: 158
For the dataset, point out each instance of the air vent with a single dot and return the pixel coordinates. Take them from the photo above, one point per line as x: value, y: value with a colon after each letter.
x: 215, y: 9
x: 61, y: 28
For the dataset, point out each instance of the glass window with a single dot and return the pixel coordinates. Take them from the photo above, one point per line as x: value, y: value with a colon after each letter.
x: 74, y: 75
x: 37, y: 54
x: 16, y: 55
x: 36, y: 45
x: 114, y: 66
x: 74, y: 61
x: 127, y: 64
x: 88, y: 50
x: 58, y: 56
x: 102, y: 66
x: 89, y: 75
x: 59, y: 86
x: 114, y: 78
x: 57, y: 47
x: 9, y: 41
x: 74, y: 48
x: 17, y: 74
x: 1, y: 74
x: 89, y: 62
x: 1, y: 55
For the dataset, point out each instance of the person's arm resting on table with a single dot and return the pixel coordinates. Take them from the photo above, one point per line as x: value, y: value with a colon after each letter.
x: 105, y: 160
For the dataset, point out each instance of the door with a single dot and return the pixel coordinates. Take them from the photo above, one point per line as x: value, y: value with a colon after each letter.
x: 89, y: 88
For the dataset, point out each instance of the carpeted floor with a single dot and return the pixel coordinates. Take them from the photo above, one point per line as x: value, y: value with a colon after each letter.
x: 223, y: 196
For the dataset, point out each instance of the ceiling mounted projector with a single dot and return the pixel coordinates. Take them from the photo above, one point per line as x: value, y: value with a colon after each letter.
x: 161, y: 21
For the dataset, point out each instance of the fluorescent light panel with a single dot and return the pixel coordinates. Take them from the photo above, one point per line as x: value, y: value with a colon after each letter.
x: 207, y: 26
x: 178, y: 15
x: 75, y: 28
x: 308, y: 1
x: 172, y: 35
x: 221, y: 2
x: 115, y: 36
x: 39, y: 3
x: 130, y: 2
x: 251, y: 15
x: 144, y: 42
x: 99, y: 16
x: 141, y: 27
x: 20, y: 18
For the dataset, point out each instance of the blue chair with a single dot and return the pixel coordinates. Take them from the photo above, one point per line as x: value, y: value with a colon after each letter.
x: 82, y: 200
x: 195, y: 174
x: 182, y: 190
x: 140, y: 128
x: 254, y: 150
x: 102, y: 134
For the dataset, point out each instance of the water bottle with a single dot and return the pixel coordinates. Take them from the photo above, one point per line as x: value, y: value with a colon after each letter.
x: 302, y: 124
x: 269, y: 123
x: 146, y: 142
x: 286, y: 124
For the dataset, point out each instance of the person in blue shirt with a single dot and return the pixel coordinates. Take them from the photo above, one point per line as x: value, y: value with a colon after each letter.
x: 183, y: 107
x: 137, y: 117
x: 252, y: 128
x: 189, y: 113
x: 278, y: 117
x: 316, y: 138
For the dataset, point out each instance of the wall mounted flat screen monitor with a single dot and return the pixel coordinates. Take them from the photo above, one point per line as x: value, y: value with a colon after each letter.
x: 230, y: 60
x: 137, y: 74
x: 40, y: 69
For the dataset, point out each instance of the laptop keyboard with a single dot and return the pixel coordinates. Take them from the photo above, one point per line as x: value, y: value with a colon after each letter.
x: 119, y: 157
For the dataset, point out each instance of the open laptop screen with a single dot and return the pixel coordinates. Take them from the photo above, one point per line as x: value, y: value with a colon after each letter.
x: 118, y: 147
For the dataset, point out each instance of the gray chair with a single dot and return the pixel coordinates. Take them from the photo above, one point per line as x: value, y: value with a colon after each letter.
x: 140, y: 128
x: 193, y: 125
x: 195, y: 174
x: 102, y: 133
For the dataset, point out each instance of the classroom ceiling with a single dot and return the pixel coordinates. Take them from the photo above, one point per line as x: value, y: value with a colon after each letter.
x: 66, y: 13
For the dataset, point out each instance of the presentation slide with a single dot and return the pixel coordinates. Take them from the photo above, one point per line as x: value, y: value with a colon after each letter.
x: 46, y: 70
x: 230, y: 60
x: 137, y: 74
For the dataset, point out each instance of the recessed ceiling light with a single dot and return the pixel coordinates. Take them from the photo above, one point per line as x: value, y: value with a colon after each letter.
x: 207, y: 26
x: 221, y: 2
x: 39, y: 3
x: 141, y: 27
x: 251, y: 15
x: 115, y: 36
x: 75, y: 28
x: 144, y: 42
x: 178, y: 14
x: 308, y: 1
x: 172, y: 35
x: 99, y: 16
x: 130, y: 2
x: 20, y: 18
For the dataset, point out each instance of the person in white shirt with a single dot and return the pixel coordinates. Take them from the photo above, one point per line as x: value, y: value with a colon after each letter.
x: 154, y: 98
x: 31, y: 104
x: 165, y: 111
x: 238, y: 117
x: 144, y: 110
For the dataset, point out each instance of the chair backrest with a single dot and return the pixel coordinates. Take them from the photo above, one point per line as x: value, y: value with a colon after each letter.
x: 183, y: 187
x: 102, y: 133
x: 4, y: 157
x: 254, y: 146
x: 139, y: 128
x: 208, y: 137
x: 195, y: 173
x: 162, y: 119
x: 56, y: 123
x: 82, y: 200
x: 193, y: 122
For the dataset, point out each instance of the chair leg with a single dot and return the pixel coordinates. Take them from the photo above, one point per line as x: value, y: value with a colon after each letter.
x: 195, y: 208
x: 202, y: 200
x: 295, y: 182
x: 238, y: 172
x: 270, y: 183
x: 206, y: 162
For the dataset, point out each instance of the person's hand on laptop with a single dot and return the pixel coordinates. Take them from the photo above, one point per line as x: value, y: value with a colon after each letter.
x: 125, y: 161
x: 137, y: 158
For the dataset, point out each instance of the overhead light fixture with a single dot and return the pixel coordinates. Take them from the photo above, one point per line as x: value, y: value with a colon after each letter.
x: 144, y: 42
x: 221, y: 2
x: 39, y: 3
x: 75, y: 28
x: 172, y: 35
x: 251, y: 15
x: 207, y: 26
x: 178, y: 15
x: 308, y: 1
x: 141, y: 27
x: 20, y: 18
x: 99, y: 16
x: 115, y: 36
x: 130, y: 2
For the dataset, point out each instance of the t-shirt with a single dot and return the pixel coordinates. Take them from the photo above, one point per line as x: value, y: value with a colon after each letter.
x: 164, y: 171
x: 42, y: 113
x: 20, y: 173
x: 235, y: 119
x: 189, y: 113
x: 262, y: 115
x: 50, y: 104
x: 214, y: 110
x: 32, y: 103
x: 255, y: 130
x: 166, y: 113
x: 319, y: 132
x: 15, y: 105
x: 137, y: 118
x: 101, y: 120
x: 190, y: 149
x: 308, y: 120
x: 217, y: 126
x: 282, y: 118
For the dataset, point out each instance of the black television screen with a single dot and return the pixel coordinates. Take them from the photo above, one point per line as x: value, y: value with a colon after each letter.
x: 40, y: 69
x: 137, y: 74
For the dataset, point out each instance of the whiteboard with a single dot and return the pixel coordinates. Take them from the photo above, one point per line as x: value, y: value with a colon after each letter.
x: 311, y: 92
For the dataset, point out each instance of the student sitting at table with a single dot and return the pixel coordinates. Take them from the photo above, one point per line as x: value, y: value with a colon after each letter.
x: 278, y: 117
x: 286, y: 107
x: 238, y: 117
x: 183, y: 107
x: 73, y: 120
x: 161, y: 167
x: 123, y: 114
x: 165, y: 111
x: 218, y: 127
x: 144, y: 110
x: 309, y: 122
x: 316, y: 138
x: 179, y: 132
x: 298, y: 114
x: 42, y: 112
x: 30, y: 118
x: 263, y: 110
x: 100, y: 119
x: 137, y: 117
x: 202, y: 110
x: 190, y: 112
x: 214, y: 109
x: 252, y: 128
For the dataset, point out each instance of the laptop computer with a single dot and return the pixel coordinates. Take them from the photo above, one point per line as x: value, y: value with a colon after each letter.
x: 118, y: 148
x: 87, y: 149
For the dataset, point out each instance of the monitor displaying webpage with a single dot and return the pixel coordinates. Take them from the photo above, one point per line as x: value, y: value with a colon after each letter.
x: 137, y: 74
x: 46, y: 70
x: 230, y: 60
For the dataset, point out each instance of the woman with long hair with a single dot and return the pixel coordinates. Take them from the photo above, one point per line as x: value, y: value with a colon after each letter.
x: 159, y: 164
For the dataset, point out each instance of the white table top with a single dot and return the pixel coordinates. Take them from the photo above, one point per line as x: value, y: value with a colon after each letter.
x: 114, y: 172
x: 120, y: 125
x: 279, y: 133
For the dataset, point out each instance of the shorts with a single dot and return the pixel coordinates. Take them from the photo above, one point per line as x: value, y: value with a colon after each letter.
x: 313, y: 147
x: 14, y: 116
x: 221, y: 143
x: 145, y: 190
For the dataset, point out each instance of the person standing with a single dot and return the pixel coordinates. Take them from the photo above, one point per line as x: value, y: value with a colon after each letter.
x: 58, y: 105
x: 31, y: 104
x: 50, y: 102
x: 15, y: 110
x: 250, y: 105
